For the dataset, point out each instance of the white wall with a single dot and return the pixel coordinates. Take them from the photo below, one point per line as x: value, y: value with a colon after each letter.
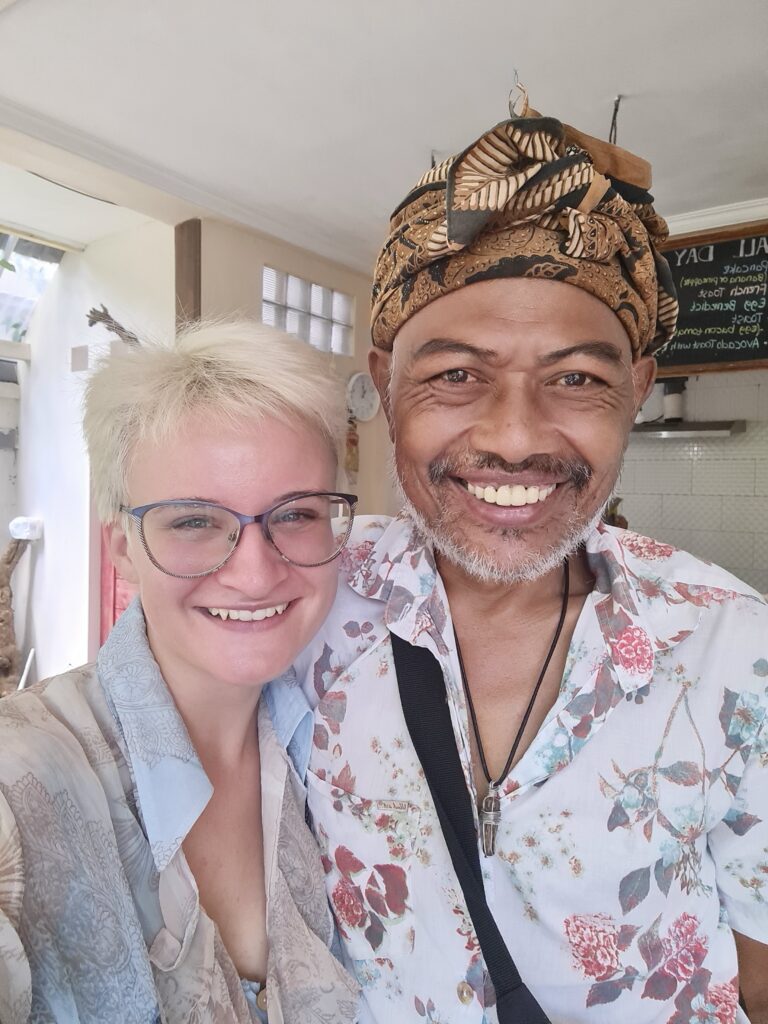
x: 707, y: 495
x: 56, y: 587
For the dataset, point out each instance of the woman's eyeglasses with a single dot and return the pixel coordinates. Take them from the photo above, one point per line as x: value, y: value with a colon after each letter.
x: 195, y: 538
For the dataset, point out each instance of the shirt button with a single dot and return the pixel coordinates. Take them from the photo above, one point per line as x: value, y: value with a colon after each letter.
x: 465, y: 993
x: 261, y: 998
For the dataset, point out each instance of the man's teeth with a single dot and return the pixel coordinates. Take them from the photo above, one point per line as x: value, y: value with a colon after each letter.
x: 515, y: 495
x: 245, y: 616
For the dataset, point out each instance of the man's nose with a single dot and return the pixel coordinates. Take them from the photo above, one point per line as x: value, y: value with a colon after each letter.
x: 254, y: 562
x: 513, y: 423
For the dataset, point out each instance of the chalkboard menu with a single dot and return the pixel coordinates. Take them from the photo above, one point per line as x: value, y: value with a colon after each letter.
x: 722, y: 285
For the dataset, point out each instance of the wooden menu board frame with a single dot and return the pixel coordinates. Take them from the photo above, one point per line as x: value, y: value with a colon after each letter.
x: 730, y: 233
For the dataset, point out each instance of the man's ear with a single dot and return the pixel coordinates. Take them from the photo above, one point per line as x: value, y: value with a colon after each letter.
x: 643, y: 379
x: 119, y: 551
x: 380, y: 365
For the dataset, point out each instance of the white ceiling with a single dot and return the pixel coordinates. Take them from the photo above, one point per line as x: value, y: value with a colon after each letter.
x: 311, y: 119
x: 32, y: 205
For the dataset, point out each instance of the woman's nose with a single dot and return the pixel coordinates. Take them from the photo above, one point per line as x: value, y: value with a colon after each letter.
x: 254, y: 561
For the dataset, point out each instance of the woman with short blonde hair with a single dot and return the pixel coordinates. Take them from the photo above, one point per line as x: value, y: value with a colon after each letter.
x: 155, y: 863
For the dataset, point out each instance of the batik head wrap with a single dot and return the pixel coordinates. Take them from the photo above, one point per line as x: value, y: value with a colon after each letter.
x: 531, y: 198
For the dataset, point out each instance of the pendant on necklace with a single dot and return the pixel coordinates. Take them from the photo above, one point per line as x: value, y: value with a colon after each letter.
x: 490, y: 816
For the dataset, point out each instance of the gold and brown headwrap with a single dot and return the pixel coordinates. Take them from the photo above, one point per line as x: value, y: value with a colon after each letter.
x: 531, y: 198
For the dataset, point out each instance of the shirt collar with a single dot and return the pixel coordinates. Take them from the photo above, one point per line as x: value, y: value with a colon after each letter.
x: 291, y: 718
x: 647, y: 596
x: 400, y: 570
x: 172, y: 788
x: 646, y: 599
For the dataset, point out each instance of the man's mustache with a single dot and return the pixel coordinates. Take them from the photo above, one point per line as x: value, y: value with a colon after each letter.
x: 574, y: 471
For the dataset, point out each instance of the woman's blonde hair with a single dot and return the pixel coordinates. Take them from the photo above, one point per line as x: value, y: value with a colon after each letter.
x: 231, y: 371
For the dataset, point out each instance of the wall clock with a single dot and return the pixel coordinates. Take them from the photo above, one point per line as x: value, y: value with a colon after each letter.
x: 362, y: 397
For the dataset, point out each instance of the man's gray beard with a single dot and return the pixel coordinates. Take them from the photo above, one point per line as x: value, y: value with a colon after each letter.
x: 482, y: 567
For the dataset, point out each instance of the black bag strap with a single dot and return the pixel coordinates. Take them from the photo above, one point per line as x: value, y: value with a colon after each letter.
x: 428, y: 717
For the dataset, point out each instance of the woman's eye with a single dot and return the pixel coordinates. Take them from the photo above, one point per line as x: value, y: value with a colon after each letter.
x: 294, y: 515
x: 193, y: 523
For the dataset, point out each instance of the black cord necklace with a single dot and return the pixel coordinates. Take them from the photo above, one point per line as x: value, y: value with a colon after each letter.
x: 490, y: 812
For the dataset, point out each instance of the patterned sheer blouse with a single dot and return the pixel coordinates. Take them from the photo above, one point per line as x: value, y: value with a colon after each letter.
x: 100, y: 918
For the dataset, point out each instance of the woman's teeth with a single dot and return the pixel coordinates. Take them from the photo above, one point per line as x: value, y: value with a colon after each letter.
x: 514, y: 495
x: 246, y: 616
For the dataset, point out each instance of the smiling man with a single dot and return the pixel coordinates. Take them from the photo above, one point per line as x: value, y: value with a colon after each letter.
x: 540, y: 772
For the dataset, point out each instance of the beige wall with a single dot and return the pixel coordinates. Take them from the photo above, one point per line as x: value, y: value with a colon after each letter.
x: 232, y: 262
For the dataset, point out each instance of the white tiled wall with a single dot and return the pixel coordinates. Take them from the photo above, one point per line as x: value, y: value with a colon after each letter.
x: 707, y: 495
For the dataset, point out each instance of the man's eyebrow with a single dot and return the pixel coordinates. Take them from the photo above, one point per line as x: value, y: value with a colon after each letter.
x: 606, y: 351
x: 453, y: 345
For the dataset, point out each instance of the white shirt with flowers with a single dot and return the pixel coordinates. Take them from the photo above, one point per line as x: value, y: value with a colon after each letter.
x: 634, y: 830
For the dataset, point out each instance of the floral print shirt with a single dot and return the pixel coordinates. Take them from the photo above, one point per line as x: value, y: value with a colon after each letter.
x: 634, y: 830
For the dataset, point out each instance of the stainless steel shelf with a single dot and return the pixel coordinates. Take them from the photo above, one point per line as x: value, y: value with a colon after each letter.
x: 681, y: 430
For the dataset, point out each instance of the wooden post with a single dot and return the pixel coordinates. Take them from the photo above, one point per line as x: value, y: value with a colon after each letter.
x: 188, y: 238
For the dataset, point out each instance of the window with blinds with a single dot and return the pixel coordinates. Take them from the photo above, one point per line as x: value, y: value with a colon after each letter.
x: 318, y: 315
x: 26, y: 270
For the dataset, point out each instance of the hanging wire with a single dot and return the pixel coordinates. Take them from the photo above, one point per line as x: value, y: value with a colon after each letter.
x: 612, y: 131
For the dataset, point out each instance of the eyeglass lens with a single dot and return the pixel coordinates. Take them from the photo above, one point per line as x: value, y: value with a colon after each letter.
x: 188, y: 538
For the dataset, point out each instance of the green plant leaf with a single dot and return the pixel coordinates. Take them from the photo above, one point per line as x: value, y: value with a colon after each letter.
x: 6, y: 265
